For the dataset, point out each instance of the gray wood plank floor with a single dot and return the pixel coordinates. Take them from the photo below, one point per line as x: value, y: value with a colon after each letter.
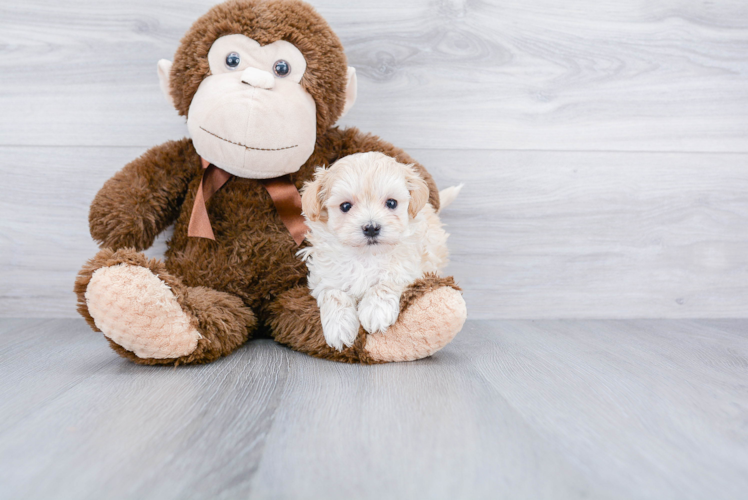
x: 650, y: 409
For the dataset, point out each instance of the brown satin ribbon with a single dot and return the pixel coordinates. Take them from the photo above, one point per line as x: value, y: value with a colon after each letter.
x: 282, y: 191
x: 287, y: 201
x: 213, y: 179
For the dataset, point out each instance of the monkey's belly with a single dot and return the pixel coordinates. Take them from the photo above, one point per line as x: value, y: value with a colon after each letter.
x: 253, y: 255
x: 254, y: 265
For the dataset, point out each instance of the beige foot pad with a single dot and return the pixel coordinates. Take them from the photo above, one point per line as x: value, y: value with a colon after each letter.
x: 429, y: 324
x: 138, y: 311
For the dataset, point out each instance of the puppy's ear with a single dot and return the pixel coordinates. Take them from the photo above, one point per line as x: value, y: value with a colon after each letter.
x: 419, y: 192
x: 311, y: 197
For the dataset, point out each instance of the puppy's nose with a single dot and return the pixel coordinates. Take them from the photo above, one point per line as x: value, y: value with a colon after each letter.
x: 258, y: 78
x: 371, y: 230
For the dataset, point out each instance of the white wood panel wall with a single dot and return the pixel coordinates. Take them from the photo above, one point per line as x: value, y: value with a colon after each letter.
x: 604, y: 145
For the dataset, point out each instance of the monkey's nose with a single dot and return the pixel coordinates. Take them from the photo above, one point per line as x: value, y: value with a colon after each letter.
x: 258, y: 78
x: 371, y: 230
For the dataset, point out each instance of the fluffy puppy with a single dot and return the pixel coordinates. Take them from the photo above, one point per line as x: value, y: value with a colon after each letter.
x: 372, y: 233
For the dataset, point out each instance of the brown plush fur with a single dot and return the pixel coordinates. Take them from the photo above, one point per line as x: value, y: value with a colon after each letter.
x: 222, y: 319
x: 295, y: 322
x: 250, y: 273
x: 145, y: 197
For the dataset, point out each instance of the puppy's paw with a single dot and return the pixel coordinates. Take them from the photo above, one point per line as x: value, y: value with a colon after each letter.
x: 341, y: 330
x: 339, y: 322
x: 378, y: 312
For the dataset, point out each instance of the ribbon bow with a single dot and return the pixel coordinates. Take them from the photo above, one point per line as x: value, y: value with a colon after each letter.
x: 282, y: 191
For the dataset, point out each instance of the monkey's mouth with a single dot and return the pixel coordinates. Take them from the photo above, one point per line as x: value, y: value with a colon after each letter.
x: 244, y: 145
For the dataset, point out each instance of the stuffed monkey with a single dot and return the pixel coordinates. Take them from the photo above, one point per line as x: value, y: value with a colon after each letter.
x: 262, y: 85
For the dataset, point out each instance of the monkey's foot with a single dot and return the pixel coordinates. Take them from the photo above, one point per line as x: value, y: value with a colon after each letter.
x: 138, y: 311
x: 428, y: 324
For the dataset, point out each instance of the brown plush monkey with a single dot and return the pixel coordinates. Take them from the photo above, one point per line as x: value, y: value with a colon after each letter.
x: 262, y: 85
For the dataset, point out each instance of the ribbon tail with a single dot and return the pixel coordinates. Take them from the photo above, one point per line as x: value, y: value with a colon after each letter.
x: 199, y: 221
x: 287, y: 201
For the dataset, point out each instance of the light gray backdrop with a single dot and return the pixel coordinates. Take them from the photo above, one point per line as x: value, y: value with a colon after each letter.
x: 604, y: 145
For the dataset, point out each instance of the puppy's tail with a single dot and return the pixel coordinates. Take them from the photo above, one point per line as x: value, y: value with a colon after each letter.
x: 448, y: 195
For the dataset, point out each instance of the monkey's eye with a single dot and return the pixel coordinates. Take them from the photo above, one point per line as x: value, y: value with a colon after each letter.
x: 281, y: 68
x: 344, y: 207
x: 391, y: 204
x: 233, y: 60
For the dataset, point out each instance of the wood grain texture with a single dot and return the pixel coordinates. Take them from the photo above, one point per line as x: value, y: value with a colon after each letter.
x: 604, y: 235
x: 664, y: 75
x: 194, y: 432
x: 533, y: 234
x: 594, y: 139
x: 638, y: 409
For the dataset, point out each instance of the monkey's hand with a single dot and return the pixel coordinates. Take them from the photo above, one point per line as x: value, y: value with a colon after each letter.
x: 143, y: 198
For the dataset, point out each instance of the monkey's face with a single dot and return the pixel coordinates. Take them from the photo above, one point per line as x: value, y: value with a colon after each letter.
x: 251, y: 116
x: 257, y: 97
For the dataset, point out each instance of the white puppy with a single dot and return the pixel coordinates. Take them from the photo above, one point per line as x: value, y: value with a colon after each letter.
x: 372, y: 233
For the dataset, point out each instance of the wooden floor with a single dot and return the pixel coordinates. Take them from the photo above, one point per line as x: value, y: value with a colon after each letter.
x: 511, y: 409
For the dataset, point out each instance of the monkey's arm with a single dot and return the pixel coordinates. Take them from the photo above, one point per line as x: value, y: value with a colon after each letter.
x: 349, y: 141
x: 143, y: 198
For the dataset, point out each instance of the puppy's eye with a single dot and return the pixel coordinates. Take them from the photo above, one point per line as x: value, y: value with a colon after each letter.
x: 281, y: 68
x: 233, y: 60
x: 391, y: 204
x: 344, y: 207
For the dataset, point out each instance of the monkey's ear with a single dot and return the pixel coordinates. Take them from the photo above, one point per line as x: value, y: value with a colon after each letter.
x: 311, y: 204
x: 351, y: 90
x: 164, y: 73
x: 419, y: 192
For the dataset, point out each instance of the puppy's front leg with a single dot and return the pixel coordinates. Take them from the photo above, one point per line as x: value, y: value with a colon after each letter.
x: 379, y: 308
x: 339, y: 320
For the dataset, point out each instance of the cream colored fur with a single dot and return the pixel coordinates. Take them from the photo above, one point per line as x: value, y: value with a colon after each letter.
x: 138, y: 311
x: 355, y: 278
x: 247, y: 121
x: 448, y: 195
